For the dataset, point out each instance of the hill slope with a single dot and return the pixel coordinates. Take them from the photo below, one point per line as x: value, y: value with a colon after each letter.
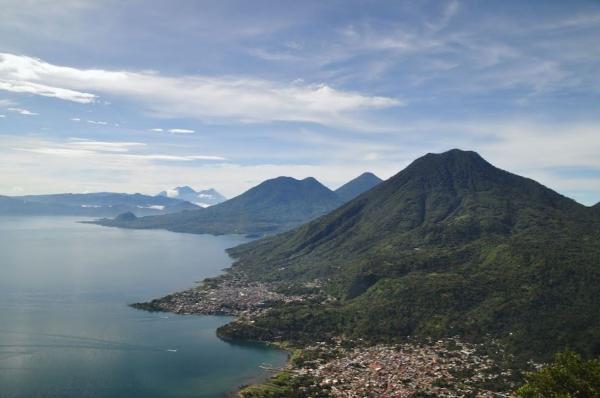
x: 450, y: 245
x: 357, y: 186
x: 92, y: 204
x: 272, y: 206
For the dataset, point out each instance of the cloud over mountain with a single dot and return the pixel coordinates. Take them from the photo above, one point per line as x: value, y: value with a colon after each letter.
x: 206, y: 97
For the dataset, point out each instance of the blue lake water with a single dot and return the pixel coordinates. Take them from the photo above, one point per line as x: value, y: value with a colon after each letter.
x: 65, y: 328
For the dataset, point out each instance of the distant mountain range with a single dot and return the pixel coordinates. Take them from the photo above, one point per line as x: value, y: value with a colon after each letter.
x: 451, y: 245
x: 205, y: 198
x: 357, y: 186
x: 102, y: 204
x: 272, y: 206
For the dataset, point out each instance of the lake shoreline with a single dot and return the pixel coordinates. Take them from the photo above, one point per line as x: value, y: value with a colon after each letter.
x: 337, y: 367
x: 229, y: 294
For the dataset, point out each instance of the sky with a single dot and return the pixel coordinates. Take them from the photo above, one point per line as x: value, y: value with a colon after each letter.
x: 140, y: 96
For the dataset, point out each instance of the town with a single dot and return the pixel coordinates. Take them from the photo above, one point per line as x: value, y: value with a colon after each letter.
x: 229, y: 294
x: 442, y: 368
x: 345, y: 368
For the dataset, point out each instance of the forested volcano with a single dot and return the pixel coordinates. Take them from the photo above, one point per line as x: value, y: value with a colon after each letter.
x: 451, y: 245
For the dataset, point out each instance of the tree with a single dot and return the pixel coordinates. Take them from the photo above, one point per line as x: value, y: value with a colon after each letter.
x: 569, y: 376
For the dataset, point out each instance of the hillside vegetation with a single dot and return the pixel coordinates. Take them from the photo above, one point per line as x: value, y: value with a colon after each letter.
x: 449, y: 246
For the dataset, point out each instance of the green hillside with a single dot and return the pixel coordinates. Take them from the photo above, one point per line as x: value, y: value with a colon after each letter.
x: 450, y: 245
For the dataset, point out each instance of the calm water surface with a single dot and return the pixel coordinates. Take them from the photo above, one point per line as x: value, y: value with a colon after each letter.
x: 65, y: 329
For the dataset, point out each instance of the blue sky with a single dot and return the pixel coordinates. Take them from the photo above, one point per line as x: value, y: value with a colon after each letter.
x: 140, y: 96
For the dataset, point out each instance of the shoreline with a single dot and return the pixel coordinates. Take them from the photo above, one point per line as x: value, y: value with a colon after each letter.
x: 235, y: 297
x: 336, y: 368
x: 231, y: 293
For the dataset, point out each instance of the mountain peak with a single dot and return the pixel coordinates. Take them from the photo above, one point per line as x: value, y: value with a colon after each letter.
x: 279, y: 180
x: 284, y: 186
x: 291, y: 181
x: 311, y: 180
x: 368, y: 174
x: 357, y: 186
x: 454, y: 170
x: 185, y: 190
x: 456, y: 157
x: 456, y: 152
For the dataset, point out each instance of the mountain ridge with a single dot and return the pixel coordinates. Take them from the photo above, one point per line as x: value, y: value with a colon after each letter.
x: 92, y: 204
x: 274, y: 205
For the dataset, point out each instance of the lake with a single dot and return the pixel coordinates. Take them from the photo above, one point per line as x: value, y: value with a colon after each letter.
x: 66, y: 330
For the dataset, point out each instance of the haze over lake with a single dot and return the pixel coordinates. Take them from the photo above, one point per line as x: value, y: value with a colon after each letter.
x: 65, y: 328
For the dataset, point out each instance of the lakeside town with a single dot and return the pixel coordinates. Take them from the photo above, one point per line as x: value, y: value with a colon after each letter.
x: 230, y: 294
x: 442, y: 368
x: 345, y: 368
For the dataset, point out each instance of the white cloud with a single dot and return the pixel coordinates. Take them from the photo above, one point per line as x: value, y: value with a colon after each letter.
x: 22, y: 111
x: 113, y: 152
x: 4, y: 103
x: 2, y: 116
x: 66, y: 152
x: 177, y: 158
x: 16, y: 86
x: 181, y: 131
x: 97, y: 122
x: 104, y: 146
x: 237, y: 99
x: 93, y: 151
x: 206, y: 157
x: 174, y: 131
x: 75, y: 119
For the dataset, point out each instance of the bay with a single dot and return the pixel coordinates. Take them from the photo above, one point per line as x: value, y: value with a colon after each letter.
x: 66, y: 329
